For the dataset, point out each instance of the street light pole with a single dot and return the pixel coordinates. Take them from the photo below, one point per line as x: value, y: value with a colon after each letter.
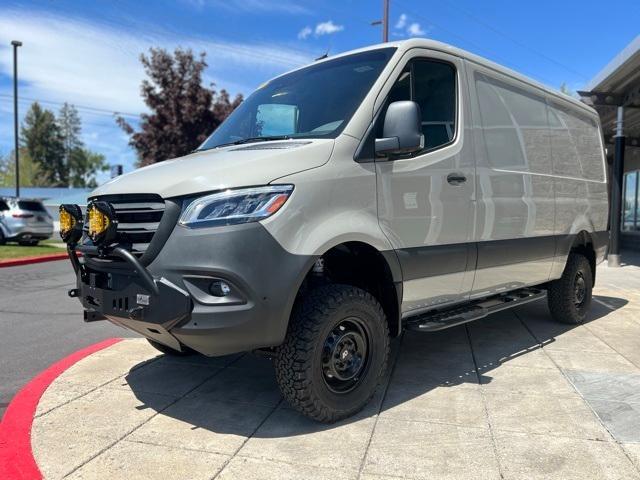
x: 385, y: 21
x: 16, y: 44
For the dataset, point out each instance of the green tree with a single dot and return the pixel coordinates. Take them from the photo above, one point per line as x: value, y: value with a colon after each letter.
x: 30, y: 175
x: 83, y: 166
x: 41, y: 138
x: 70, y: 127
x: 183, y: 111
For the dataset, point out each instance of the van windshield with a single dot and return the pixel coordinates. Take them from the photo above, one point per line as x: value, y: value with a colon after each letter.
x: 314, y: 102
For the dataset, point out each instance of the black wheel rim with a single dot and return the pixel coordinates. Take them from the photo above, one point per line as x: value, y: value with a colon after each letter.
x: 579, y: 289
x: 345, y: 355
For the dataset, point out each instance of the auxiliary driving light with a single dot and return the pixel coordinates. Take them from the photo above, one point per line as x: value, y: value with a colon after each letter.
x: 70, y: 223
x: 102, y: 221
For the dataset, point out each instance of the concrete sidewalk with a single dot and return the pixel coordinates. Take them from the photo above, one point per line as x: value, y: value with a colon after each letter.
x: 512, y: 396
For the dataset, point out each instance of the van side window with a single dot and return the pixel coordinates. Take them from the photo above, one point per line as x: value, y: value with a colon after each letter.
x: 575, y: 143
x: 434, y: 90
x: 432, y: 85
x: 515, y: 126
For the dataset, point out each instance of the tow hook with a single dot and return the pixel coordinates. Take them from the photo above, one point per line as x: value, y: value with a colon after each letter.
x: 73, y: 293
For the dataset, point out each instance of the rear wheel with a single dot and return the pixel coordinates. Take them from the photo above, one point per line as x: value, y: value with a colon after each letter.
x: 335, y: 353
x: 569, y: 297
x: 168, y: 350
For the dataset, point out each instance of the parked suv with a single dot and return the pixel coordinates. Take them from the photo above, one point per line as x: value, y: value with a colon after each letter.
x: 24, y: 221
x: 410, y: 185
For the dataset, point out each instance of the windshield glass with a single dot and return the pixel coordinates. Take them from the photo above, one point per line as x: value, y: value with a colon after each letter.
x: 314, y: 102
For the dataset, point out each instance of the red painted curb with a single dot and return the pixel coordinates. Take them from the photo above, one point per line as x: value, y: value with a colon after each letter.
x: 16, y: 456
x: 14, y: 262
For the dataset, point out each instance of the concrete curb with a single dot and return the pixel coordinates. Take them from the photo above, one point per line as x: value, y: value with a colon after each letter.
x: 16, y: 455
x: 15, y: 262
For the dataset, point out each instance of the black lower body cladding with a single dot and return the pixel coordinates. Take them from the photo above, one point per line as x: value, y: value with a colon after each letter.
x: 261, y: 282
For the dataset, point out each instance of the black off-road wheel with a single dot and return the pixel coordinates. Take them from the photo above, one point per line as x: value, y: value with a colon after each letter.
x: 335, y: 353
x: 569, y: 297
x: 161, y: 347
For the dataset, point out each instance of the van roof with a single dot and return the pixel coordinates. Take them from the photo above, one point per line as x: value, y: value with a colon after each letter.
x: 405, y: 45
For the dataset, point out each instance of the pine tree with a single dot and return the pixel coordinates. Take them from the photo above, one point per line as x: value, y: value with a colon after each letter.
x: 70, y: 127
x: 41, y: 138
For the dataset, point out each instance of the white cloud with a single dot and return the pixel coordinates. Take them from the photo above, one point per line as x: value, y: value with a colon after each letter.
x: 304, y: 33
x: 91, y: 64
x: 415, y: 30
x: 402, y: 21
x: 328, y: 28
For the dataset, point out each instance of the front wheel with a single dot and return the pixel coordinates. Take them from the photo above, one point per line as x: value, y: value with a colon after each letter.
x: 335, y: 353
x: 569, y: 297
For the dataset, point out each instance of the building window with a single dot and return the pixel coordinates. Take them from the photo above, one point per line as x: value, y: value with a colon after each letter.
x: 631, y: 203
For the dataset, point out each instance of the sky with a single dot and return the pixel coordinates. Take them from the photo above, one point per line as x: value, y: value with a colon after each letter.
x: 87, y: 53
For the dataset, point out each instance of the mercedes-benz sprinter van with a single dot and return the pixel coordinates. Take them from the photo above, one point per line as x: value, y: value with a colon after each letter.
x: 409, y: 185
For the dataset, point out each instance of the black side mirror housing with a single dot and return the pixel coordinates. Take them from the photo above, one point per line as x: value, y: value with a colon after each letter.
x: 402, y: 130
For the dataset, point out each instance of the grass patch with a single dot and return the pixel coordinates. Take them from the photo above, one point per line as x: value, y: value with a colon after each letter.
x: 13, y: 250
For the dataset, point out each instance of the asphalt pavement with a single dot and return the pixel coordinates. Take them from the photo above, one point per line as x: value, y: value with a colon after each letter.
x: 40, y: 324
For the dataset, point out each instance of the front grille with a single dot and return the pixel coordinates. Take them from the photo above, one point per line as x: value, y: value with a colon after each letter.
x: 138, y: 217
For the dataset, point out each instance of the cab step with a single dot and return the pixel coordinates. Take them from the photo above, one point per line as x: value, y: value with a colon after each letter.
x: 441, y: 319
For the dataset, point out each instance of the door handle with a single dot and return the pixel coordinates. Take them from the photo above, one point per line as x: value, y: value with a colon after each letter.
x: 456, y: 178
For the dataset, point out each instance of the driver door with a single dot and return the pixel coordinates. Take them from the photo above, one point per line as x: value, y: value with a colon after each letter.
x: 425, y: 200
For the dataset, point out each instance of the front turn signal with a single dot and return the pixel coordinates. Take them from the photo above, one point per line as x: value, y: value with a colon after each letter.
x: 70, y: 223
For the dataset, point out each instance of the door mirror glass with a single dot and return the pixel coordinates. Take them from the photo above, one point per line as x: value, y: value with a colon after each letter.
x: 402, y: 131
x: 276, y: 119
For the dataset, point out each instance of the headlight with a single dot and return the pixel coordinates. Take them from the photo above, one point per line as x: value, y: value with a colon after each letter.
x: 103, y: 224
x: 235, y: 206
x: 70, y: 223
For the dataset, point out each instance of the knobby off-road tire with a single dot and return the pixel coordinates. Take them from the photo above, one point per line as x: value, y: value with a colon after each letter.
x: 170, y: 351
x: 569, y: 297
x: 335, y: 352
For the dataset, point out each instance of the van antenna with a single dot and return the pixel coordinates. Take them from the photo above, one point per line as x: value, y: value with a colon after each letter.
x: 323, y: 56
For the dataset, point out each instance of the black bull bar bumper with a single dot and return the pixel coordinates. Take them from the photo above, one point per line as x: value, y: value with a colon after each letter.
x: 132, y: 298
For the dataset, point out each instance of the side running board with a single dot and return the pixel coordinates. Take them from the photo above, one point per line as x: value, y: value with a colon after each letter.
x: 441, y: 319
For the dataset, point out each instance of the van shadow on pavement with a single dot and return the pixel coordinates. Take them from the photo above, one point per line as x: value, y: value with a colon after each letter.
x: 430, y: 375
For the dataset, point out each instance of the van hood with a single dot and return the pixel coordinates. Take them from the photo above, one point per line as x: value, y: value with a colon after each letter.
x: 218, y: 169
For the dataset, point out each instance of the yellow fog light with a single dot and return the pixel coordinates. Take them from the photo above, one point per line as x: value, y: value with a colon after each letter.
x: 102, y: 222
x: 70, y: 223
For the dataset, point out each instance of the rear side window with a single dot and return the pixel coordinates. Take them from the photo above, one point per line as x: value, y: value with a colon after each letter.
x: 3, y: 206
x: 575, y: 143
x: 31, y: 206
x: 514, y: 124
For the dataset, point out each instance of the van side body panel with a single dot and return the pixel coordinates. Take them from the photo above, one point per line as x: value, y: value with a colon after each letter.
x: 580, y: 178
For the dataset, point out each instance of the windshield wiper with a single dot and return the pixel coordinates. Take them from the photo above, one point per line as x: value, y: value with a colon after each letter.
x: 250, y: 140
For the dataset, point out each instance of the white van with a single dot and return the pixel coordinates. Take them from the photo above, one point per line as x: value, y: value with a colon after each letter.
x: 408, y: 185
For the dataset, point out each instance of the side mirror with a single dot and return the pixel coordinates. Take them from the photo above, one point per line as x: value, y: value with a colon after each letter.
x: 402, y: 131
